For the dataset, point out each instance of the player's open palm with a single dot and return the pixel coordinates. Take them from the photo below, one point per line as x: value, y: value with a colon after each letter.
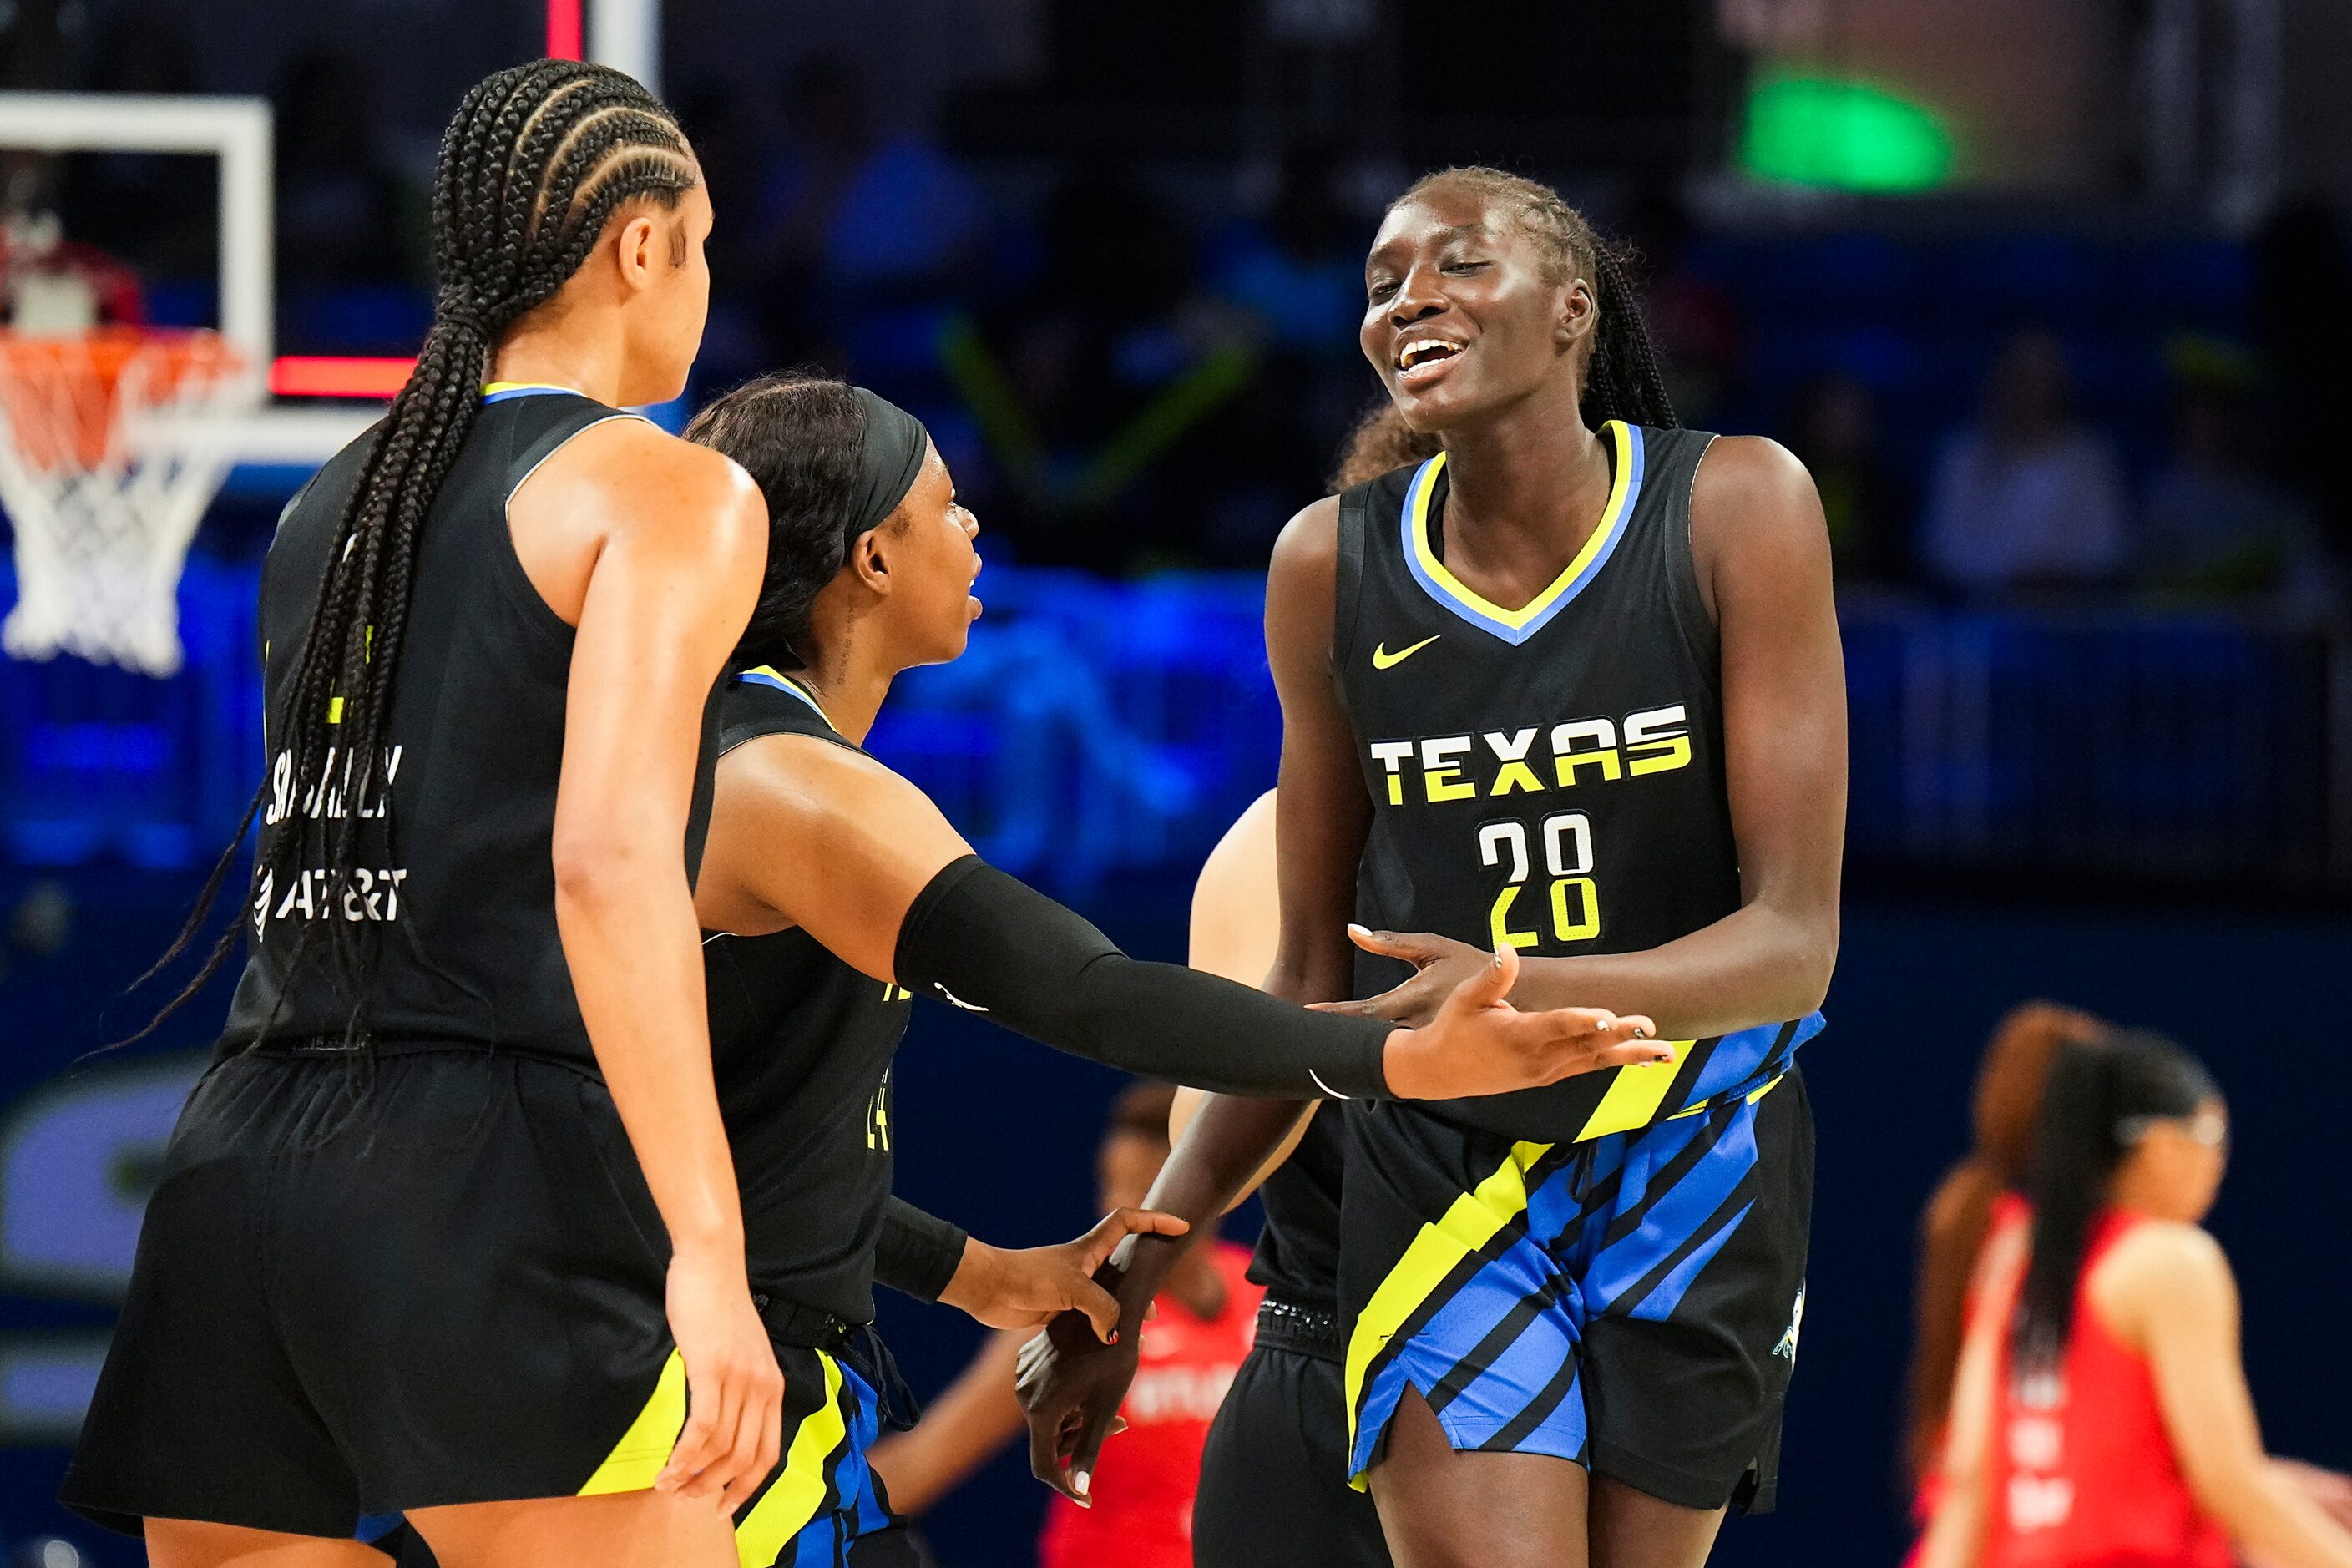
x: 1479, y: 1043
x: 734, y: 1390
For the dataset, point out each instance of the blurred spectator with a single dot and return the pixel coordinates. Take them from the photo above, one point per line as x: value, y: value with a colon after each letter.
x: 1299, y: 267
x: 2214, y: 525
x: 1296, y: 271
x: 156, y: 211
x: 2303, y: 317
x: 728, y: 144
x: 2029, y: 497
x: 855, y: 218
x: 1100, y: 387
x: 340, y: 203
x: 33, y: 44
x: 1832, y: 427
x: 1694, y: 323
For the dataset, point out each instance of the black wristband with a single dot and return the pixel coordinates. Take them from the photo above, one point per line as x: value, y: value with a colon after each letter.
x: 917, y: 1253
x: 983, y: 942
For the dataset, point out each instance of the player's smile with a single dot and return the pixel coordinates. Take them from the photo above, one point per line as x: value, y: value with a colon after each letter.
x: 1424, y: 356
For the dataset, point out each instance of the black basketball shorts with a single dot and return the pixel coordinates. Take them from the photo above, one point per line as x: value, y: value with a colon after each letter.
x: 1274, y: 1474
x: 365, y: 1287
x: 1630, y: 1303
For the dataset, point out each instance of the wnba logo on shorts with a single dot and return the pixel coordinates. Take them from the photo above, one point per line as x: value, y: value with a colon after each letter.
x: 1787, y: 1345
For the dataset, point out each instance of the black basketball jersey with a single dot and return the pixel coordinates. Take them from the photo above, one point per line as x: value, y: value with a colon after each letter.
x: 1297, y: 1253
x: 802, y: 1045
x: 1553, y: 776
x: 456, y: 818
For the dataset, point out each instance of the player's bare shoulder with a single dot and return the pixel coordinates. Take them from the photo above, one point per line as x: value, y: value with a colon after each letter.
x: 1754, y: 510
x: 651, y: 478
x: 1300, y: 581
x: 1308, y: 544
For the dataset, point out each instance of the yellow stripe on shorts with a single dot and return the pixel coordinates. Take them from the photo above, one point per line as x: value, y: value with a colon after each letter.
x: 1633, y: 1096
x: 799, y: 1490
x: 1468, y: 1225
x: 646, y: 1447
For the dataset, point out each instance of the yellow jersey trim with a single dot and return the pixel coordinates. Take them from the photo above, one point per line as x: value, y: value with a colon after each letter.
x: 1517, y: 625
x: 768, y: 675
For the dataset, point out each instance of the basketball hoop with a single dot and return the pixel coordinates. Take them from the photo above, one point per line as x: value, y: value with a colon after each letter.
x: 105, y: 475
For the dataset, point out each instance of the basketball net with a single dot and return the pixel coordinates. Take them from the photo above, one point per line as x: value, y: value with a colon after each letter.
x: 105, y: 474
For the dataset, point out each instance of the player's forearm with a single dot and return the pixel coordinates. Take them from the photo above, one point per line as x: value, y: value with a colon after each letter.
x: 1759, y: 965
x: 922, y: 1256
x: 629, y: 936
x: 1225, y: 1146
x: 981, y: 939
x: 2274, y: 1523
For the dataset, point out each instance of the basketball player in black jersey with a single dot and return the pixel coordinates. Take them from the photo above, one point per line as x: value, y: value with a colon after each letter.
x: 1572, y: 683
x: 843, y: 892
x: 451, y: 1221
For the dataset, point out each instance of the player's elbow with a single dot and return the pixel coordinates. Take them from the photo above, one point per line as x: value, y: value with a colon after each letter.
x: 600, y: 866
x: 1810, y: 960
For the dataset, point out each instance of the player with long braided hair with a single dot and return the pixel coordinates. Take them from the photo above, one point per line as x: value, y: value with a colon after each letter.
x: 1572, y: 683
x: 449, y: 1227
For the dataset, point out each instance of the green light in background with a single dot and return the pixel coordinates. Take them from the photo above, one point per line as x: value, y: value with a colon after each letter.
x: 1817, y: 130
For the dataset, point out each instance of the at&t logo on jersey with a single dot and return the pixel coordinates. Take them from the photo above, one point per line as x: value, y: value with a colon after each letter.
x: 1434, y: 769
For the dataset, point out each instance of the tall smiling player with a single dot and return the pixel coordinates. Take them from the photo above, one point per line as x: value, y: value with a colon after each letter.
x: 1573, y: 684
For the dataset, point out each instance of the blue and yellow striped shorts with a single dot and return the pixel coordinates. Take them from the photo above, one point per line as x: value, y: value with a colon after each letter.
x: 1629, y: 1302
x: 823, y: 1507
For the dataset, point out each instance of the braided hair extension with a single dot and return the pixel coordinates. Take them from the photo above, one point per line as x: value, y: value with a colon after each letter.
x: 1621, y: 380
x: 533, y: 166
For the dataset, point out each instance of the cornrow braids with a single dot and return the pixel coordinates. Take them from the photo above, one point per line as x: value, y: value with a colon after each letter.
x: 1622, y: 379
x: 533, y: 166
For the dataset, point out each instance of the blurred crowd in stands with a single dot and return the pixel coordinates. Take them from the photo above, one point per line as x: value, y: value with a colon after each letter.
x: 1129, y: 371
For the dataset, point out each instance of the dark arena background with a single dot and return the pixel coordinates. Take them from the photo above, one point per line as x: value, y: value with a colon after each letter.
x: 1111, y: 254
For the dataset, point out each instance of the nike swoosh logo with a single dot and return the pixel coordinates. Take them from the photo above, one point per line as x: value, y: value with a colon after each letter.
x: 1383, y: 660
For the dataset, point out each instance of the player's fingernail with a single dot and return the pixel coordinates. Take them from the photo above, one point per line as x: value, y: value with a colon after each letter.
x: 1079, y: 1482
x: 1359, y: 930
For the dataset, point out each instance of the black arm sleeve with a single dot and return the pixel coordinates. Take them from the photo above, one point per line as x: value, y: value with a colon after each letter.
x: 917, y: 1253
x: 981, y: 940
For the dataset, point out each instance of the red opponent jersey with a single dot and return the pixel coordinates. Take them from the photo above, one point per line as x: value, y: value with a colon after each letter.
x: 1143, y: 1513
x: 2083, y: 1474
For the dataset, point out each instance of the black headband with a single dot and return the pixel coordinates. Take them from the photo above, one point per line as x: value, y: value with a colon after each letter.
x: 888, y: 465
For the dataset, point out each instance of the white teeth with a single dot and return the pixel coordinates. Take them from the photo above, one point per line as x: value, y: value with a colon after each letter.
x: 1420, y: 349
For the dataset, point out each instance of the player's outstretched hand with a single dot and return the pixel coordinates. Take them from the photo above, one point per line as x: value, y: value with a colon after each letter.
x: 1477, y: 1043
x: 1439, y: 963
x: 1070, y: 1382
x: 734, y: 1390
x: 1027, y: 1288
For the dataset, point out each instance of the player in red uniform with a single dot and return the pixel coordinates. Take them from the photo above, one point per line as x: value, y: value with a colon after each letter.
x: 2101, y: 1418
x: 1189, y: 1353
